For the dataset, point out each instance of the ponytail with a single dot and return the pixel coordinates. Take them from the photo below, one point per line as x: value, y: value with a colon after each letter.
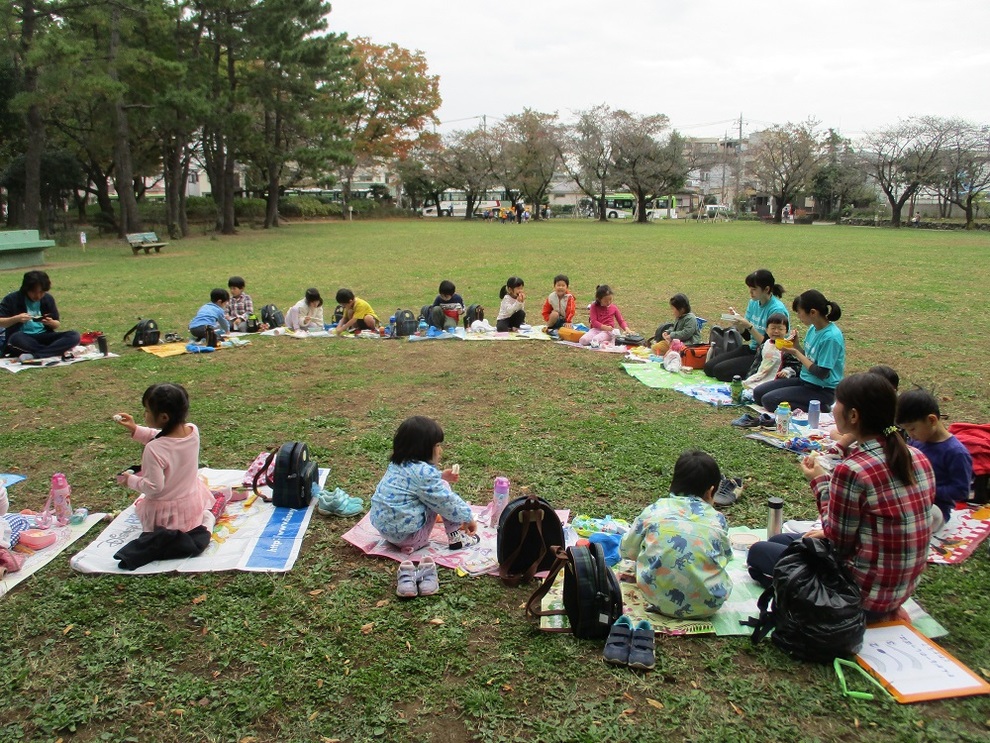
x: 762, y: 278
x: 815, y: 300
x: 898, y: 455
x: 875, y: 399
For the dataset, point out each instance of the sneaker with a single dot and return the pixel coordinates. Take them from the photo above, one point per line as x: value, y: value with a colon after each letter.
x: 458, y: 539
x: 68, y: 356
x: 426, y: 577
x: 767, y: 421
x: 337, y: 503
x: 25, y: 357
x: 728, y: 491
x: 642, y: 648
x: 617, y: 645
x: 746, y: 420
x: 406, y: 584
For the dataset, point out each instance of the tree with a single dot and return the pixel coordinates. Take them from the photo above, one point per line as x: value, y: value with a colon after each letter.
x: 649, y: 159
x: 589, y: 152
x: 396, y: 100
x: 527, y: 149
x: 965, y: 166
x: 466, y: 163
x: 784, y: 160
x: 903, y: 158
x: 839, y: 180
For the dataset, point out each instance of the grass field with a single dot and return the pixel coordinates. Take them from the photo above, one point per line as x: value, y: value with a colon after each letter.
x: 284, y: 658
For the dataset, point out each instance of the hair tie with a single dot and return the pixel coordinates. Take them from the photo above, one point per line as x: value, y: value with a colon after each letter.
x: 890, y: 430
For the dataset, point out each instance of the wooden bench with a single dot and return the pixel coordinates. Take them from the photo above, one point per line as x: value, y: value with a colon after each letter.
x: 146, y: 240
x: 20, y: 248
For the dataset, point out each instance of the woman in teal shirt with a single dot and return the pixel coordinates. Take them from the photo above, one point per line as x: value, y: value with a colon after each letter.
x: 823, y: 358
x: 764, y: 300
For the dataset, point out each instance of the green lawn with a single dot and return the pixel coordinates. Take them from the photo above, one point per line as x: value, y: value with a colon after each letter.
x: 283, y: 657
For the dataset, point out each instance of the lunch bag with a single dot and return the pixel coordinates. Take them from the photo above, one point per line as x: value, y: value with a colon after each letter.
x: 813, y: 606
x: 592, y: 597
x: 405, y: 323
x: 272, y: 316
x: 472, y: 313
x: 289, y: 472
x: 145, y: 333
x: 528, y: 530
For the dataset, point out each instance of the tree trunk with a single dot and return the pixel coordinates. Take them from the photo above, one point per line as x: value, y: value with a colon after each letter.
x: 271, y: 210
x: 641, y: 208
x: 130, y: 219
x: 30, y: 213
x: 602, y: 216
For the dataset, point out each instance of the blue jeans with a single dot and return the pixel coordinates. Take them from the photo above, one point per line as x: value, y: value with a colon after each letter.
x: 40, y: 345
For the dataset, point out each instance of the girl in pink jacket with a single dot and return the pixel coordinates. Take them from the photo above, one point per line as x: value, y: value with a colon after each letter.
x: 605, y: 317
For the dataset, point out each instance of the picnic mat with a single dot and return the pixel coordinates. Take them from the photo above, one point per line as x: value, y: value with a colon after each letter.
x: 966, y: 529
x: 480, y: 559
x: 726, y: 621
x: 13, y: 365
x: 166, y: 350
x: 712, y: 392
x: 260, y: 538
x: 600, y: 349
x: 654, y: 376
x: 38, y: 559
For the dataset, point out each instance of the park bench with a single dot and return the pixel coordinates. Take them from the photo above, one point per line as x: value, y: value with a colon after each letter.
x: 19, y: 248
x: 145, y: 240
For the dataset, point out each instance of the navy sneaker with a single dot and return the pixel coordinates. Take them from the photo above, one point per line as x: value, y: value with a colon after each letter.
x: 617, y: 645
x: 746, y: 420
x: 642, y: 648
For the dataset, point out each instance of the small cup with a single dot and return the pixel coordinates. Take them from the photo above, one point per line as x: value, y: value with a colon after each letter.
x: 783, y: 343
x: 101, y: 343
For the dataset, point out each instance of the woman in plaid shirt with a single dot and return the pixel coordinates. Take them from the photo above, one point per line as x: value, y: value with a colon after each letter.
x: 875, y: 505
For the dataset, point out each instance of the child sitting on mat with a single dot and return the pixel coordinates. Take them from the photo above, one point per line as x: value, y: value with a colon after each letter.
x: 413, y: 492
x: 681, y: 543
x: 684, y: 328
x: 357, y: 313
x: 604, y: 319
x: 211, y: 322
x: 560, y: 306
x: 307, y: 313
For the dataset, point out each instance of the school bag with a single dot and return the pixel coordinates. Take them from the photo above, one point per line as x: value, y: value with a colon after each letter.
x: 592, y: 597
x: 472, y: 313
x: 405, y: 323
x: 253, y: 324
x: 723, y: 340
x: 528, y: 530
x: 145, y: 333
x: 813, y: 606
x: 272, y: 316
x: 292, y: 478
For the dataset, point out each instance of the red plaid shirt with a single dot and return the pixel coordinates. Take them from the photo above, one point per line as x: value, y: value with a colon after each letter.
x: 880, y: 527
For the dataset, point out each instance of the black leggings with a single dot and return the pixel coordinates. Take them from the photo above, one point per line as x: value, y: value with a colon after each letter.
x: 795, y: 392
x: 728, y: 365
x: 514, y: 320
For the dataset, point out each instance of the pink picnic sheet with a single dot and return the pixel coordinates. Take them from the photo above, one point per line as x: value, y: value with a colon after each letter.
x: 481, y: 559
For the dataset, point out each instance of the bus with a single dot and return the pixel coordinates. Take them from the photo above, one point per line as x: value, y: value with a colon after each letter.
x: 623, y: 206
x: 664, y: 207
x: 454, y: 204
x: 620, y: 205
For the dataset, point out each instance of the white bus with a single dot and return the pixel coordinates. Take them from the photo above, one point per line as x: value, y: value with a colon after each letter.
x: 664, y: 207
x: 454, y: 204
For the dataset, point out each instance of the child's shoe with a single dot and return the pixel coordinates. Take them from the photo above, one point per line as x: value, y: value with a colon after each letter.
x: 728, y: 491
x: 642, y: 648
x: 406, y: 586
x: 426, y: 577
x: 617, y: 645
x: 337, y: 503
x: 459, y: 539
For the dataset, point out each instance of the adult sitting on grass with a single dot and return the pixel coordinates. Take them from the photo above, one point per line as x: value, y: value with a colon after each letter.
x: 765, y: 294
x: 875, y: 505
x: 32, y: 321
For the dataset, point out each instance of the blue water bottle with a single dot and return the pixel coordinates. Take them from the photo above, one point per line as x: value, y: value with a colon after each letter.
x: 391, y: 327
x: 814, y: 413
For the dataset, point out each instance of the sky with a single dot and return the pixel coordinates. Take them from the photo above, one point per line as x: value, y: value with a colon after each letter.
x: 853, y: 65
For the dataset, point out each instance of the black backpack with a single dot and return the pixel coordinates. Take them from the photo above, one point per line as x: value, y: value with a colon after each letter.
x: 145, y: 332
x: 592, y: 597
x: 295, y: 474
x: 253, y: 324
x: 272, y: 316
x: 813, y: 606
x: 528, y: 530
x: 723, y: 340
x: 472, y: 313
x: 405, y: 323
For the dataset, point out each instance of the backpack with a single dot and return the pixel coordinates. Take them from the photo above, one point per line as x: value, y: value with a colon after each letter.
x: 293, y: 477
x: 405, y: 323
x: 723, y: 340
x: 272, y: 316
x: 145, y: 332
x: 472, y: 313
x: 592, y: 597
x: 813, y: 606
x: 338, y: 313
x: 528, y: 530
x: 253, y: 324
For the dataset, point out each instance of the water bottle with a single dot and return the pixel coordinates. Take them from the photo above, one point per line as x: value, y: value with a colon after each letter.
x: 775, y: 516
x: 60, y: 499
x: 783, y: 418
x: 737, y: 389
x: 391, y: 327
x: 499, y: 499
x: 814, y: 412
x: 421, y: 328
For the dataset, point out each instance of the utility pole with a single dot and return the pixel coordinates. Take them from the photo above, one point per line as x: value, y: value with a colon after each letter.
x: 739, y: 165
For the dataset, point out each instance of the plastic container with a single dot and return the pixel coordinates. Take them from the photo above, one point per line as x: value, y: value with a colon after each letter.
x: 737, y: 389
x: 783, y: 418
x: 775, y: 516
x: 499, y: 499
x: 61, y: 505
x: 422, y: 327
x: 814, y: 413
x: 391, y: 327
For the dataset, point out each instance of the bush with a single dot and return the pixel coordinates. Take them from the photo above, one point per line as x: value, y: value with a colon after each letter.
x: 250, y: 208
x: 306, y: 207
x: 152, y: 212
x: 201, y: 208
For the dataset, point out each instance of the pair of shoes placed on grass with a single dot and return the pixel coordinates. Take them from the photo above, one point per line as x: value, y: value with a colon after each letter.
x: 728, y: 491
x: 337, y: 503
x: 421, y: 581
x: 631, y: 645
x: 748, y: 420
